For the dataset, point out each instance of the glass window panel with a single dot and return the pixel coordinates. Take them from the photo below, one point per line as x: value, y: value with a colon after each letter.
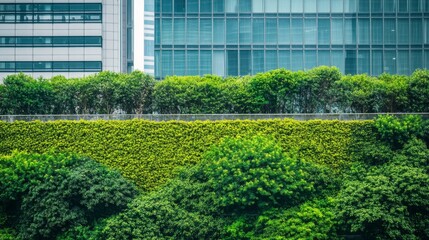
x: 179, y: 31
x: 324, y: 58
x: 231, y: 6
x: 271, y: 6
x: 192, y: 6
x: 350, y: 31
x: 258, y: 30
x: 415, y: 6
x: 206, y: 31
x: 75, y: 7
x: 390, y: 6
x: 271, y: 60
x: 426, y: 59
x: 324, y: 6
x: 310, y: 59
x: 24, y: 7
x: 337, y: 31
x: 350, y: 6
x: 258, y: 6
x: 157, y: 31
x: 232, y: 63
x: 377, y: 63
x: 219, y: 30
x: 24, y: 40
x: 297, y: 31
x: 258, y: 61
x: 218, y: 6
x: 298, y: 61
x: 245, y: 6
x: 310, y: 6
x: 377, y: 31
x: 206, y: 62
x: 245, y: 31
x: 377, y: 6
x: 337, y: 60
x: 403, y: 60
x: 206, y: 6
x: 42, y: 66
x: 271, y: 31
x: 363, y: 6
x: 179, y: 6
x: 149, y: 48
x: 284, y: 6
x: 62, y: 17
x: 390, y: 62
x: 284, y: 31
x: 426, y: 31
x: 96, y: 66
x: 232, y: 31
x: 403, y: 5
x: 245, y: 62
x: 76, y: 65
x: 310, y: 31
x: 297, y: 6
x: 416, y: 60
x: 167, y: 6
x: 167, y: 63
x: 337, y: 6
x: 426, y: 7
x: 166, y: 31
x: 192, y: 63
x: 350, y: 62
x: 416, y: 31
x: 403, y: 31
x: 363, y: 62
x: 158, y: 64
x: 24, y: 66
x: 91, y: 7
x: 324, y: 27
x: 284, y: 59
x: 219, y: 63
x: 192, y: 31
x: 390, y: 31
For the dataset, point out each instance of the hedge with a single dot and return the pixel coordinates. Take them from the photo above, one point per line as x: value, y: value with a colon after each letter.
x: 150, y: 153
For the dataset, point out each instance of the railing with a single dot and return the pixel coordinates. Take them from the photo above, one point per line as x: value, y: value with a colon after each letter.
x: 203, y: 117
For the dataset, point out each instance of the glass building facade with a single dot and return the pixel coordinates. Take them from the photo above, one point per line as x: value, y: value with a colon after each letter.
x: 242, y: 37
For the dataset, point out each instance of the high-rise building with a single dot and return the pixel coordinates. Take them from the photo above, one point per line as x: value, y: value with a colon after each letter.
x: 73, y: 38
x: 241, y: 37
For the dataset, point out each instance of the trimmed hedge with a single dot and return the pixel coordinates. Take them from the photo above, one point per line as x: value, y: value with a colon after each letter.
x: 150, y: 153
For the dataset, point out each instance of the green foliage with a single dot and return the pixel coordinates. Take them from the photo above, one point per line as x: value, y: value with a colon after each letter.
x: 150, y: 153
x: 45, y: 195
x: 418, y: 91
x: 399, y: 131
x: 254, y: 172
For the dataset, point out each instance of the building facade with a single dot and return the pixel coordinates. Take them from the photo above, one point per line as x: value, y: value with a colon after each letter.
x: 73, y: 38
x: 241, y: 37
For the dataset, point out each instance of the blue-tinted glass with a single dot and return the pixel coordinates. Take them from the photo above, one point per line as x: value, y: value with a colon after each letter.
x: 390, y: 6
x: 158, y: 66
x: 149, y: 5
x: 416, y: 60
x: 271, y: 60
x: 337, y: 60
x: 258, y: 6
x: 390, y: 62
x: 377, y: 31
x: 179, y: 31
x: 297, y: 31
x: 324, y: 58
x: 284, y: 31
x: 390, y: 31
x: 192, y: 63
x: 426, y: 31
x: 245, y: 62
x: 310, y: 59
x: 245, y: 31
x: 377, y: 6
x: 350, y: 31
x: 297, y: 6
x: 324, y: 27
x: 271, y: 31
x: 271, y: 6
x: 193, y: 6
x: 310, y: 31
x: 416, y: 31
x: 258, y: 30
x: 231, y: 6
x: 232, y: 63
x: 206, y: 62
x: 232, y: 31
x: 245, y: 6
x: 337, y: 6
x: 363, y: 6
x: 403, y: 5
x: 337, y: 31
x: 403, y: 31
x: 364, y: 31
x: 426, y: 59
x: 206, y: 6
x: 166, y: 31
x: 310, y: 6
x: 157, y: 31
x: 377, y: 63
x: 179, y: 63
x: 350, y: 62
x: 219, y: 63
x: 206, y: 31
x: 258, y: 61
x: 284, y: 6
x: 350, y: 6
x: 167, y: 6
x: 363, y: 62
x: 167, y: 63
x: 192, y: 31
x: 298, y: 61
x: 218, y: 6
x: 219, y: 31
x: 179, y: 6
x: 149, y: 48
x: 403, y: 60
x: 284, y: 59
x: 324, y: 6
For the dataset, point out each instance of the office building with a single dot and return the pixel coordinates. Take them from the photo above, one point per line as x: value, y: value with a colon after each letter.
x: 73, y: 38
x: 241, y: 37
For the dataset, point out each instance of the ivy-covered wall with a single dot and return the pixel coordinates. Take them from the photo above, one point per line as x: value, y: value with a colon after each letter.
x: 150, y: 153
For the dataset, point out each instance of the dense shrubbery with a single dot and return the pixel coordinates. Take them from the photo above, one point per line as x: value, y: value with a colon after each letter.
x: 321, y: 90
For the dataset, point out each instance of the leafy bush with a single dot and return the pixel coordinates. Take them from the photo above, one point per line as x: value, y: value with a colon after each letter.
x: 46, y: 194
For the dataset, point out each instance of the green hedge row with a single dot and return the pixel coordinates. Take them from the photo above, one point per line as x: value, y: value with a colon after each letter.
x: 322, y: 89
x: 150, y: 153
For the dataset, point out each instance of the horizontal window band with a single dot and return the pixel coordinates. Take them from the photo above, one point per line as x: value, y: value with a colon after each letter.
x: 51, y: 66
